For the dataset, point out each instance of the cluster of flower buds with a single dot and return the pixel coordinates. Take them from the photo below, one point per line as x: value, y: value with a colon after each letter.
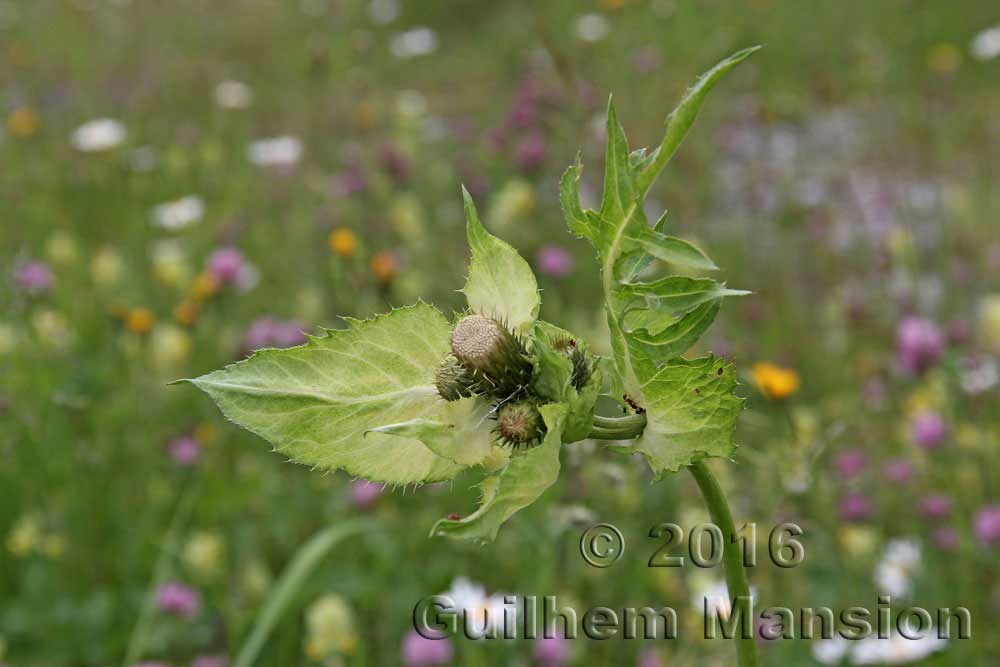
x: 491, y: 361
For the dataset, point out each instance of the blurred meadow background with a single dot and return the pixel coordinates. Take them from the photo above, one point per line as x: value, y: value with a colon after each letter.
x: 184, y: 182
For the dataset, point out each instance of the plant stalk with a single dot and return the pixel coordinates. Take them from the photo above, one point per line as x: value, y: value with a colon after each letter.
x: 618, y: 428
x: 632, y: 426
x: 736, y: 578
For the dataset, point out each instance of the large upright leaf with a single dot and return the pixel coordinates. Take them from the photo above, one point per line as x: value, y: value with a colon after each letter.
x: 515, y: 487
x: 500, y: 283
x: 316, y: 402
x: 691, y: 413
x: 652, y: 323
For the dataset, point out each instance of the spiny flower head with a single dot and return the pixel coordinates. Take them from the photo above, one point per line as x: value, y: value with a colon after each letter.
x: 492, y: 354
x: 519, y: 424
x: 454, y: 381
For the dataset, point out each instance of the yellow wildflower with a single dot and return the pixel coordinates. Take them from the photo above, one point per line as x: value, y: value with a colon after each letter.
x: 140, y: 320
x: 185, y: 313
x: 107, y: 267
x: 331, y: 627
x: 859, y: 542
x: 365, y: 116
x: 25, y: 536
x: 944, y: 58
x: 52, y: 329
x: 54, y: 546
x: 61, y: 248
x: 205, y: 285
x: 171, y: 345
x: 8, y: 339
x: 384, y: 267
x: 204, y: 433
x: 343, y: 242
x: 205, y: 554
x: 774, y: 381
x: 989, y: 319
x: 23, y: 122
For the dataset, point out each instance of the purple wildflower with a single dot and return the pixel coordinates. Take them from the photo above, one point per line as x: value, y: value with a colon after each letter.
x: 851, y: 463
x: 646, y: 60
x: 419, y: 651
x: 33, y: 277
x: 226, y: 265
x: 551, y: 651
x: 269, y: 332
x: 855, y: 507
x: 184, y: 451
x: 365, y: 493
x: 531, y: 151
x: 394, y: 162
x: 945, y: 538
x: 554, y: 260
x: 649, y: 658
x: 210, y: 661
x: 178, y: 599
x: 928, y: 430
x: 898, y: 471
x: 919, y: 343
x: 986, y: 525
x: 936, y: 506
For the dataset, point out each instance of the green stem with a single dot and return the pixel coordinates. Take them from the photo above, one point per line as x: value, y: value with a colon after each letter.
x: 736, y: 578
x: 289, y: 585
x: 168, y: 549
x: 618, y: 428
x: 632, y: 426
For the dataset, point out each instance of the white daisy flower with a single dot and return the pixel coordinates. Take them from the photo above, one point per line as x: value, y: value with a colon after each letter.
x: 893, y: 574
x: 896, y: 650
x: 97, y: 135
x: 283, y: 151
x: 383, y: 11
x: 711, y: 596
x: 986, y: 44
x: 232, y: 94
x: 471, y: 602
x: 830, y: 651
x: 413, y: 43
x: 592, y: 27
x: 180, y: 213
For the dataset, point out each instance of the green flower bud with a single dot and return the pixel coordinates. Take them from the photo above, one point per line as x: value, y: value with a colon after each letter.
x: 495, y: 356
x: 453, y: 381
x: 582, y: 367
x: 519, y: 424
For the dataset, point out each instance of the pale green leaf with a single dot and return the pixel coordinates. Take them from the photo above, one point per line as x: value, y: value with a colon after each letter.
x: 516, y: 486
x: 682, y: 117
x: 677, y: 293
x: 500, y: 283
x: 569, y: 196
x: 462, y: 437
x: 673, y: 250
x: 691, y: 413
x: 315, y: 402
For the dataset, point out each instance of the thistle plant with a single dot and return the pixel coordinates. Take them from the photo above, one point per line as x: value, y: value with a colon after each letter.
x: 410, y: 397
